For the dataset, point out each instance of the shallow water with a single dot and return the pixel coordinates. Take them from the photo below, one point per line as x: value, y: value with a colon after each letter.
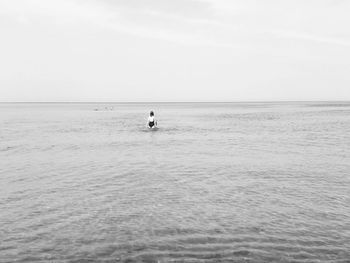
x: 217, y: 182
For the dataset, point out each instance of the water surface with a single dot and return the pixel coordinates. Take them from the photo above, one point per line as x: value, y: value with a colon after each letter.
x: 217, y: 182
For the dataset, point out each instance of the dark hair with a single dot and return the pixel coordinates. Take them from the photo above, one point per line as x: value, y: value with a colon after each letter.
x: 151, y: 113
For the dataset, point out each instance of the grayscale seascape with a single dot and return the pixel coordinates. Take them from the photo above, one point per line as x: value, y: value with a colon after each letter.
x: 217, y: 182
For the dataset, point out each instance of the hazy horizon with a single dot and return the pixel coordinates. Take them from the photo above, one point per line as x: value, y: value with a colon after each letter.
x: 175, y: 102
x: 164, y: 50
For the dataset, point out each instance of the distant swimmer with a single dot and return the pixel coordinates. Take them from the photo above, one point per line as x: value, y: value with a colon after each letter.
x: 152, y: 123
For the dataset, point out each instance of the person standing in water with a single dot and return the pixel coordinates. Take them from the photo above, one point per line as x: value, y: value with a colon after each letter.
x: 152, y: 123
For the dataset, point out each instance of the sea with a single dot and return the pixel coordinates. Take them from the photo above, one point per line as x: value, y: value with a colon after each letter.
x: 216, y: 182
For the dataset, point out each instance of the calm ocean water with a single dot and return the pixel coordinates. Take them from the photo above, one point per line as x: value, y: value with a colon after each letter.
x: 218, y: 182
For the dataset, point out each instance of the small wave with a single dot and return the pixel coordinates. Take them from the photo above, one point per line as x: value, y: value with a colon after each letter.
x: 8, y: 148
x: 330, y: 104
x: 150, y: 130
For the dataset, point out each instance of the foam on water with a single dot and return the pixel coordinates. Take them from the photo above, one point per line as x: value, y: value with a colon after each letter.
x: 229, y: 182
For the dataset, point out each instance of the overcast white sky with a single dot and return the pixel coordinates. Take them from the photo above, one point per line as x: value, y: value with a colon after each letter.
x: 174, y: 50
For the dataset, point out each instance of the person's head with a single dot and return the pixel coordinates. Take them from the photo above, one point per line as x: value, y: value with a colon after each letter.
x: 151, y: 113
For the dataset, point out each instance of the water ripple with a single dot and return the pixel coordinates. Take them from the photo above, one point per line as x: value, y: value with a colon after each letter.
x: 215, y: 183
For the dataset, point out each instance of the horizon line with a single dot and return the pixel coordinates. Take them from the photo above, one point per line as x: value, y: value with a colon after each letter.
x: 149, y: 102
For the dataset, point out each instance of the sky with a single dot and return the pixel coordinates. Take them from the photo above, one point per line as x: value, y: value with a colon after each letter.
x: 174, y: 50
